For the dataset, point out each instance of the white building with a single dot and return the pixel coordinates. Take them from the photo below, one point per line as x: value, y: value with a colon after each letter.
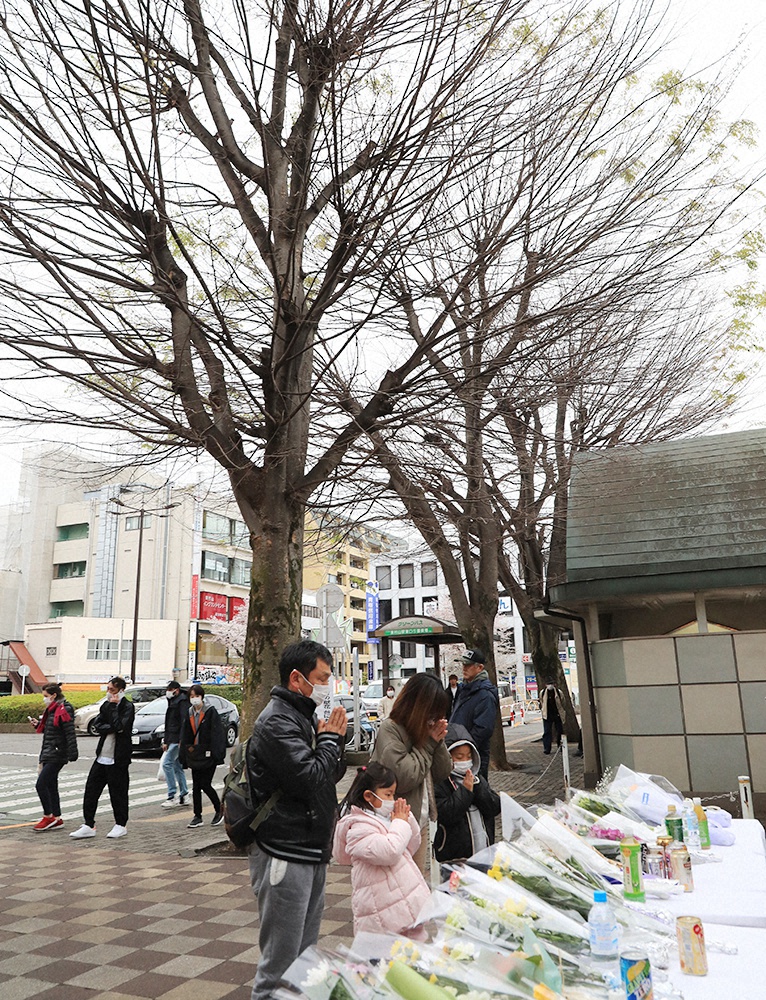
x: 410, y: 582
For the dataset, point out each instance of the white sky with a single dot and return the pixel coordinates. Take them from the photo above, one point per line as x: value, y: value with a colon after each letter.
x: 705, y: 31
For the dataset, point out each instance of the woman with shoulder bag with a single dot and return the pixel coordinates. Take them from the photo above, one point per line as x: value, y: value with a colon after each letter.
x: 411, y: 743
x: 202, y: 748
x: 59, y: 748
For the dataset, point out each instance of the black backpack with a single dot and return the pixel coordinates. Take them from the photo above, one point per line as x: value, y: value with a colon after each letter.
x: 241, y: 817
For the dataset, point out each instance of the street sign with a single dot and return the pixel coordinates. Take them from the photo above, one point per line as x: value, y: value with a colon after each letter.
x: 329, y: 598
x: 24, y: 670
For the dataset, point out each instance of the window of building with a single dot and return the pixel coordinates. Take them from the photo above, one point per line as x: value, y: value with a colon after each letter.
x: 66, y: 571
x: 383, y: 576
x: 428, y: 574
x: 133, y: 521
x: 103, y: 649
x: 240, y: 572
x: 310, y: 611
x: 143, y: 649
x: 356, y: 582
x: 409, y: 650
x: 215, y: 566
x: 406, y: 606
x: 407, y: 575
x: 430, y: 604
x: 67, y: 609
x: 216, y: 526
x: 70, y: 532
x: 429, y: 651
x: 385, y: 611
x: 240, y: 535
x: 51, y: 650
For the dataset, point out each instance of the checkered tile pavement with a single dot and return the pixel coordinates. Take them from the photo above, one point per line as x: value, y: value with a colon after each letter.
x: 140, y: 917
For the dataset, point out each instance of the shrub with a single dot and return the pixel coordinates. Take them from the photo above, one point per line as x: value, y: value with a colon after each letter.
x: 16, y: 707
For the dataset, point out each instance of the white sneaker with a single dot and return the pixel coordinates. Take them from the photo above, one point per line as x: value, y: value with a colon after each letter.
x: 117, y: 831
x: 83, y: 832
x: 170, y: 804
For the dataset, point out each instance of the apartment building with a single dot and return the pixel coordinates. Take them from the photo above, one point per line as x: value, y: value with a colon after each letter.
x: 85, y: 549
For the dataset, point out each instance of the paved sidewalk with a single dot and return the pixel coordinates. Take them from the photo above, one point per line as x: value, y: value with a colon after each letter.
x: 142, y: 916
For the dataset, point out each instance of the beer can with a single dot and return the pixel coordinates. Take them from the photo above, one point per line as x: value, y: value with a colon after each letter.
x: 632, y: 876
x: 655, y: 862
x: 636, y: 975
x: 681, y: 867
x: 691, y: 946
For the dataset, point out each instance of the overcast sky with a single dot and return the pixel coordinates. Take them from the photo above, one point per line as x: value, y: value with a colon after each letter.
x: 705, y: 30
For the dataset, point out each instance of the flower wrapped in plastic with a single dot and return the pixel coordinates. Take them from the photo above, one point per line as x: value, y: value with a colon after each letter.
x: 457, y: 966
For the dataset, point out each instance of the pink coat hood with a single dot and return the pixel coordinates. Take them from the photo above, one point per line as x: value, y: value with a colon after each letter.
x: 388, y: 889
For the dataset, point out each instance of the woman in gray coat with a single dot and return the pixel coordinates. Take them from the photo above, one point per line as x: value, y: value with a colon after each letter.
x: 411, y: 743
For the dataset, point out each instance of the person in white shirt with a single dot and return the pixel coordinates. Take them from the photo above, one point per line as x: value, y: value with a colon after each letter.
x: 110, y: 768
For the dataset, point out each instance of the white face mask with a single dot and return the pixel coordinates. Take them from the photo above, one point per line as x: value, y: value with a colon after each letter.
x: 170, y: 694
x: 196, y: 702
x: 48, y: 699
x: 389, y: 694
x: 319, y: 692
x: 385, y: 808
x: 462, y: 766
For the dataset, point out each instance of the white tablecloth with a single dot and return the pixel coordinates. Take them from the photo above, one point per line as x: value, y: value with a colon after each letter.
x: 730, y: 899
x: 734, y: 891
x: 730, y: 977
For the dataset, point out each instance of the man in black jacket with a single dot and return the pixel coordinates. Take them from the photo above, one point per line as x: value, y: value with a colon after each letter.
x: 115, y: 748
x: 293, y: 764
x: 175, y: 715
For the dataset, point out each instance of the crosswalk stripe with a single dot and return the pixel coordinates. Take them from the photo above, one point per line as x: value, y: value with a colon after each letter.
x: 19, y: 798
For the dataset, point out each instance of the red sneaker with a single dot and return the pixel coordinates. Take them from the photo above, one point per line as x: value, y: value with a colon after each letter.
x: 57, y: 822
x: 44, y: 823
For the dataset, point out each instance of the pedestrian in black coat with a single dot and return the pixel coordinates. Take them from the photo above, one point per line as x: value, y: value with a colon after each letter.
x: 59, y: 748
x: 202, y: 749
x: 114, y: 724
x: 465, y: 804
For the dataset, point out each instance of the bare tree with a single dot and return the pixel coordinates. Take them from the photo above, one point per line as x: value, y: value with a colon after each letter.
x: 195, y: 199
x: 583, y: 315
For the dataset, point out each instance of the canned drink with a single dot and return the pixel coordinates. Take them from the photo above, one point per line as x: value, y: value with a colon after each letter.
x: 672, y: 846
x: 655, y: 862
x: 636, y: 975
x: 681, y: 867
x: 632, y: 876
x: 691, y: 946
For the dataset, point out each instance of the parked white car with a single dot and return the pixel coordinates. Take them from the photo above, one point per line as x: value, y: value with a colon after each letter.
x: 85, y: 717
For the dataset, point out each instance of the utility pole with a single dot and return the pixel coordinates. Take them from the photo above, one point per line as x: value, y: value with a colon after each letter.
x: 142, y: 511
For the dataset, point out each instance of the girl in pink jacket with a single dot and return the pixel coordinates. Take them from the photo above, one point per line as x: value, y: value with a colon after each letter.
x: 376, y: 835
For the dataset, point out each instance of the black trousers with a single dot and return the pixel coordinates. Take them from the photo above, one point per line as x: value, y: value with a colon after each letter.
x: 116, y: 777
x: 551, y: 727
x: 202, y: 781
x: 48, y: 788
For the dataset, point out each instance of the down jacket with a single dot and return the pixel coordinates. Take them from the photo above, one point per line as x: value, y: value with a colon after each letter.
x: 59, y: 738
x: 476, y: 708
x: 387, y: 888
x: 285, y: 754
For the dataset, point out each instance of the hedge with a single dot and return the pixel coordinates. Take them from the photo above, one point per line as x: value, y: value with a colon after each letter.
x: 16, y: 708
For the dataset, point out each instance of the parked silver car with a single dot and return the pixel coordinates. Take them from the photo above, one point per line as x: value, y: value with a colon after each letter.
x: 85, y: 717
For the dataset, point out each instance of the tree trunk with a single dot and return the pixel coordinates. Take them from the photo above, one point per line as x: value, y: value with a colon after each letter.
x: 544, y: 645
x: 276, y: 589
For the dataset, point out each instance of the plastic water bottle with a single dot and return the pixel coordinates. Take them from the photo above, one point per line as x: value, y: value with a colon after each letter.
x: 603, y: 929
x: 691, y: 827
